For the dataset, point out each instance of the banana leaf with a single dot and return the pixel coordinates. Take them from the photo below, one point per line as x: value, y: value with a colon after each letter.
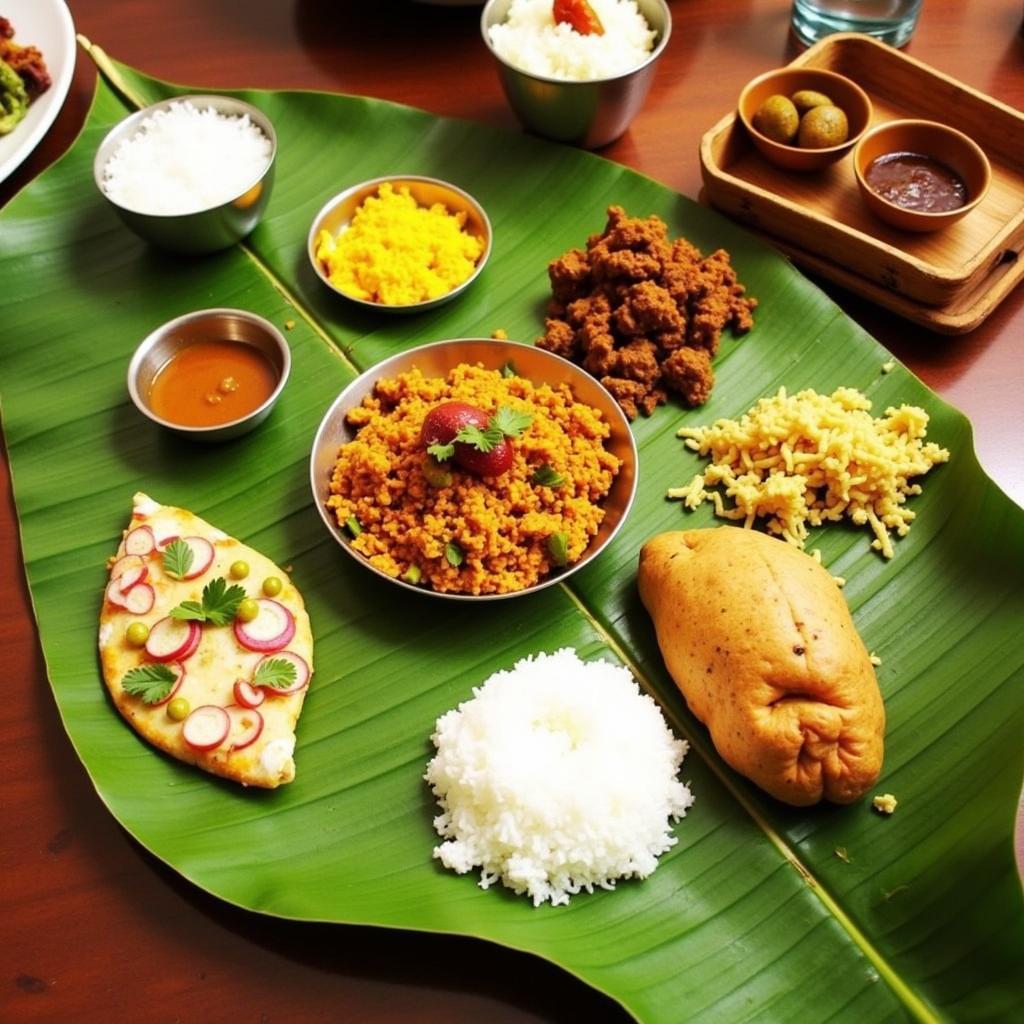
x: 760, y: 911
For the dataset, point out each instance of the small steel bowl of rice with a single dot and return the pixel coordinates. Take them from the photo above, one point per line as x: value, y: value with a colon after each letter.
x: 582, y: 80
x: 402, y: 243
x: 433, y: 525
x: 191, y: 174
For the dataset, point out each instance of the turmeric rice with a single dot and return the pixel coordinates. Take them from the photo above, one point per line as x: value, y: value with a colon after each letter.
x: 810, y: 459
x: 501, y: 527
x: 396, y: 252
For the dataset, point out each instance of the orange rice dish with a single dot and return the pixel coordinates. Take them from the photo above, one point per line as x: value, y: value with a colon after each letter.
x: 501, y: 526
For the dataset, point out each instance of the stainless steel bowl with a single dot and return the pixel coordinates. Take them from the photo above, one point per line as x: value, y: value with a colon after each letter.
x: 591, y: 113
x: 335, y: 214
x: 205, y: 230
x: 436, y: 360
x: 208, y: 325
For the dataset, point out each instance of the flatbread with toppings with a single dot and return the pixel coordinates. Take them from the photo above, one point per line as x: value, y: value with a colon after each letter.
x: 205, y: 645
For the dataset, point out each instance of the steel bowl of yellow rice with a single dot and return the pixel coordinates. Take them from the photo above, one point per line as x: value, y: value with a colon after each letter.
x: 400, y: 243
x: 465, y: 536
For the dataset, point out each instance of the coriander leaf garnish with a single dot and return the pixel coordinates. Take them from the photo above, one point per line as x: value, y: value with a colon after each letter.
x: 280, y: 673
x: 558, y: 549
x: 509, y: 370
x: 150, y: 682
x: 178, y: 558
x: 510, y: 422
x: 189, y: 610
x: 442, y: 452
x: 504, y: 423
x: 218, y: 607
x: 545, y: 476
x: 453, y: 553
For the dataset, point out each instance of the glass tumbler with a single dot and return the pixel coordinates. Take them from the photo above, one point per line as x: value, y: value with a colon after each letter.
x: 891, y: 21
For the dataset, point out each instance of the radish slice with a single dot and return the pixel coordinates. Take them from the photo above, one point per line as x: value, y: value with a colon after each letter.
x: 202, y: 556
x: 301, y: 674
x: 140, y: 541
x: 130, y: 577
x: 247, y: 695
x: 272, y: 629
x: 246, y: 726
x: 164, y: 541
x: 140, y: 599
x: 172, y: 639
x: 206, y: 728
x: 113, y: 594
x: 123, y: 564
x: 180, y: 669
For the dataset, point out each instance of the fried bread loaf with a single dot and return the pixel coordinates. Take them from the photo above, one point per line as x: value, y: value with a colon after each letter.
x: 759, y: 639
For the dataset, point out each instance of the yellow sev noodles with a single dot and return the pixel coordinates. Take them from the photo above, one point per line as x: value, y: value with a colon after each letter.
x: 397, y: 252
x: 810, y: 459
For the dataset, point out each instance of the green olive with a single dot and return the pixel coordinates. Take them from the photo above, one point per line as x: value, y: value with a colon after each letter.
x: 247, y: 610
x: 272, y: 586
x: 777, y: 119
x: 239, y: 570
x: 807, y: 99
x: 178, y: 709
x: 822, y: 127
x: 137, y: 633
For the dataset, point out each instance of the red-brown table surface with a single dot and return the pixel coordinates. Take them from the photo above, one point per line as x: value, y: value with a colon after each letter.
x: 94, y: 928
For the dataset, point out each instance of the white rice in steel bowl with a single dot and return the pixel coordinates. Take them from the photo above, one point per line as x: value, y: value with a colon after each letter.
x: 184, y: 159
x: 557, y: 776
x: 531, y: 40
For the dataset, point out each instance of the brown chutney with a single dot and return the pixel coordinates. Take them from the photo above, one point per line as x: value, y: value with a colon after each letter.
x: 916, y: 182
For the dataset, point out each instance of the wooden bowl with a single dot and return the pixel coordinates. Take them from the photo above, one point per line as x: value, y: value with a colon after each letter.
x: 845, y: 94
x: 927, y: 138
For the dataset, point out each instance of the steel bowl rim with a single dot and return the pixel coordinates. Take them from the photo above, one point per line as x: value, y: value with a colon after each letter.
x: 409, y: 307
x: 151, y: 339
x: 262, y: 121
x: 659, y: 46
x: 378, y: 369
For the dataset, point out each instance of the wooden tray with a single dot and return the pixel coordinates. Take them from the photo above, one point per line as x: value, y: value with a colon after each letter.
x: 949, y: 280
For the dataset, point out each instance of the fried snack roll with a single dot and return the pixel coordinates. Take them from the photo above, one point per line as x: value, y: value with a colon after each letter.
x: 758, y: 637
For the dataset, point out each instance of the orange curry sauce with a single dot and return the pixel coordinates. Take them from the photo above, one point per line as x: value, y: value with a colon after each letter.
x: 211, y: 382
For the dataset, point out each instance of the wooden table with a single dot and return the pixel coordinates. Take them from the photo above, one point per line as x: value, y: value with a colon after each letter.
x: 98, y: 930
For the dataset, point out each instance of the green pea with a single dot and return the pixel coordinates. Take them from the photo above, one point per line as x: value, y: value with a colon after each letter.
x: 272, y: 586
x: 178, y: 709
x: 239, y: 570
x: 247, y: 610
x: 412, y: 575
x: 137, y: 634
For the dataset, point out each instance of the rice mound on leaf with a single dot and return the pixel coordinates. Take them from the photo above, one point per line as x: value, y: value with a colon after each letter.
x: 556, y: 777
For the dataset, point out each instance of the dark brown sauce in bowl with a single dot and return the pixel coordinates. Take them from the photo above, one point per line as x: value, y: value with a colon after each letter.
x: 916, y: 182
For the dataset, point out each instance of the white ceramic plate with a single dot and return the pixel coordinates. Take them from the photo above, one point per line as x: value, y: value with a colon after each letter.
x: 47, y: 25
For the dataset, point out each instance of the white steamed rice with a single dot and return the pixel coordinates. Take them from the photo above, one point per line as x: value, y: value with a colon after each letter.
x: 557, y: 776
x: 183, y: 159
x: 530, y: 40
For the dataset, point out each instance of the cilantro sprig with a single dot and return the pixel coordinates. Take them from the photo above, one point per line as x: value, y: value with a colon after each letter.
x: 218, y: 606
x: 558, y: 549
x: 279, y: 673
x: 150, y: 682
x: 546, y: 476
x: 504, y: 423
x: 178, y: 559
